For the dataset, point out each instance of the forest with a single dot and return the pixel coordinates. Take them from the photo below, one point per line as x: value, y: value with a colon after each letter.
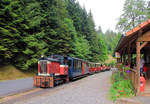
x: 31, y: 28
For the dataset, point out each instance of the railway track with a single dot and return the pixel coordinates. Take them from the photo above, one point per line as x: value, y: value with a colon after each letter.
x: 34, y: 92
x: 89, y: 90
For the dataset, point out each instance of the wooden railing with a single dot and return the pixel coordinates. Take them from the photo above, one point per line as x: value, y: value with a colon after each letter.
x: 133, y: 78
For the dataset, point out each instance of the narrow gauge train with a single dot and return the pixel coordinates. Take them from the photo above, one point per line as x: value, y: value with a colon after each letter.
x: 60, y: 69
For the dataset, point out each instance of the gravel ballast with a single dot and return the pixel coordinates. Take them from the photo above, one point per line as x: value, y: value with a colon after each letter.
x: 93, y: 89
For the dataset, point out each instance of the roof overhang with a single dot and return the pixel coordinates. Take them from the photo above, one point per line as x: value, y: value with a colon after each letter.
x: 132, y: 36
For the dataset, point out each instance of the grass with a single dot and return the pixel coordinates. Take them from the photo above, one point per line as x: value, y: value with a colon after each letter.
x: 11, y: 73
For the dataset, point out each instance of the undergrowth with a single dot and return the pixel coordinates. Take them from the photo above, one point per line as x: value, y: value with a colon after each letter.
x: 11, y: 73
x: 121, y: 86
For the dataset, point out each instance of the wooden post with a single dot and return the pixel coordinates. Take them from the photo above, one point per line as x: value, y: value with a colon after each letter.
x: 129, y: 56
x: 138, y: 66
x: 124, y: 57
x: 142, y: 45
x: 132, y: 60
x: 121, y: 57
x: 129, y: 59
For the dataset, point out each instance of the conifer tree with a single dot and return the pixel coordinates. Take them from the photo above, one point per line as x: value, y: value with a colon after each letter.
x: 31, y: 28
x: 10, y: 23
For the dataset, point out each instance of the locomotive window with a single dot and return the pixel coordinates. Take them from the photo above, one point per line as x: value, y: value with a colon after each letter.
x: 43, y: 67
x: 41, y: 70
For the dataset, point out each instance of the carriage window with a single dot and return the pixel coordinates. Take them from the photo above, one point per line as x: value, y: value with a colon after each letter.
x: 87, y: 64
x: 79, y: 65
x: 75, y: 64
x: 69, y: 63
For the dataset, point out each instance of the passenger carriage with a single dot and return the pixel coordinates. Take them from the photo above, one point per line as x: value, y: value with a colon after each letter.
x: 98, y: 66
x: 77, y: 67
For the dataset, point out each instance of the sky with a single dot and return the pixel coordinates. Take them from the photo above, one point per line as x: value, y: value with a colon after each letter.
x: 105, y: 12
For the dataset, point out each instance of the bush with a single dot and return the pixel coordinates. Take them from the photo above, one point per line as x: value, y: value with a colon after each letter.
x: 121, y: 87
x: 112, y: 63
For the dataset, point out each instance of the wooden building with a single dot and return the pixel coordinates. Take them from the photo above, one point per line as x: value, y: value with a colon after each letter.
x: 133, y: 46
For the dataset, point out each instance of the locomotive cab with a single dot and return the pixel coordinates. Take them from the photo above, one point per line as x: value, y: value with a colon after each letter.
x: 63, y: 64
x: 45, y: 67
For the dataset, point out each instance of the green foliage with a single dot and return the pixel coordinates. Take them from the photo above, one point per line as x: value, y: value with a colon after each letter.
x: 103, y: 49
x: 30, y: 28
x: 112, y: 63
x: 134, y: 13
x: 85, y: 28
x: 148, y: 10
x: 81, y: 48
x: 120, y: 87
x: 10, y: 20
x: 109, y: 40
